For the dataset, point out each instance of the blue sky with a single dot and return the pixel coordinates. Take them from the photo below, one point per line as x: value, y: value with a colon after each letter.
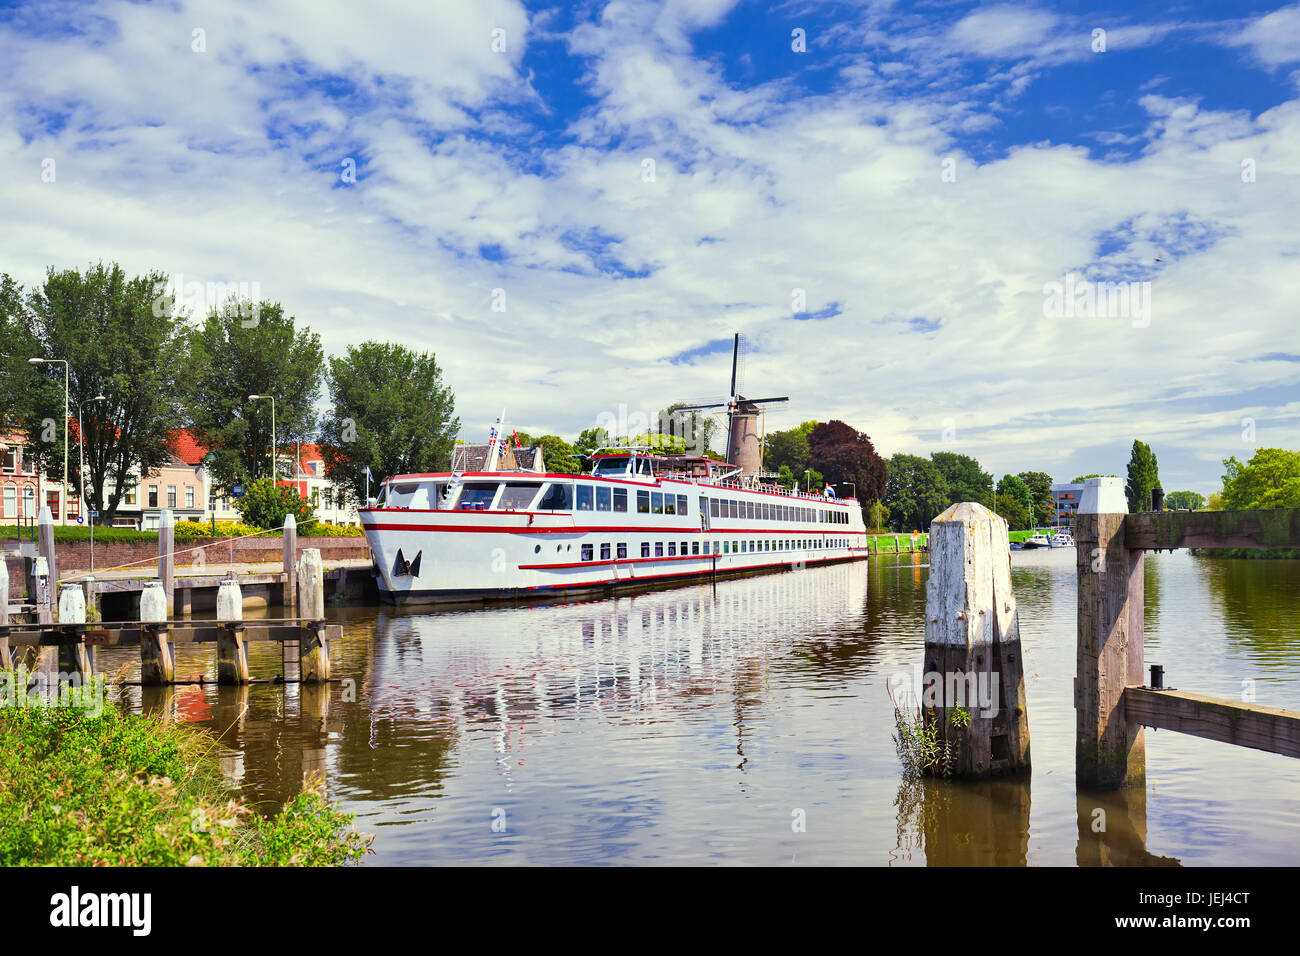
x: 576, y: 206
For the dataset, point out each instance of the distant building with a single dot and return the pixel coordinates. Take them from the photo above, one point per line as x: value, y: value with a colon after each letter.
x: 18, y: 481
x: 1065, y: 498
x: 331, y: 506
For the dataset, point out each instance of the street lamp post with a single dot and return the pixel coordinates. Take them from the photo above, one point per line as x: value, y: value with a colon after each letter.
x: 81, y: 456
x: 63, y: 494
x: 254, y: 398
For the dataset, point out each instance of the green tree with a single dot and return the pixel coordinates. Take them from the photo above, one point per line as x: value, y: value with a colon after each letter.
x: 1184, y: 501
x: 556, y: 453
x: 696, y: 431
x: 590, y: 439
x: 966, y: 480
x: 1080, y: 479
x: 1143, y: 475
x: 234, y: 356
x: 389, y: 412
x: 790, y: 448
x: 915, y: 492
x: 1271, y: 479
x: 1040, y: 490
x: 119, y: 343
x: 265, y: 504
x: 877, y: 515
x: 1015, y: 502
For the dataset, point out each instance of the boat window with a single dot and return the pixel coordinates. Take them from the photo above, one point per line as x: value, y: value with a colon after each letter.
x: 659, y: 549
x: 645, y: 549
x: 656, y: 502
x: 602, y: 497
x: 643, y: 502
x: 620, y: 499
x: 672, y: 549
x: 399, y: 496
x: 558, y: 497
x: 704, y: 505
x: 695, y: 547
x: 477, y: 496
x: 611, y: 466
x: 586, y: 552
x: 686, y: 547
x: 670, y: 504
x: 734, y: 507
x: 517, y: 497
x: 584, y: 498
x: 715, y: 508
x: 681, y: 505
x: 622, y: 549
x: 604, y: 552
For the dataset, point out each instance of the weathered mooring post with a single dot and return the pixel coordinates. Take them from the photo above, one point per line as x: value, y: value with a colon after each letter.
x: 974, y: 685
x: 74, y: 655
x: 313, y: 648
x: 6, y: 659
x: 232, y: 652
x: 290, y: 560
x: 45, y: 545
x: 1109, y: 749
x: 157, y: 659
x: 167, y: 557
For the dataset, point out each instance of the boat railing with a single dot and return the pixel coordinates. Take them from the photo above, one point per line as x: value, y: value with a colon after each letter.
x: 740, y: 484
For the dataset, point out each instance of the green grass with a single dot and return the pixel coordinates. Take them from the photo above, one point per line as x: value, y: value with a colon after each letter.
x: 85, y: 788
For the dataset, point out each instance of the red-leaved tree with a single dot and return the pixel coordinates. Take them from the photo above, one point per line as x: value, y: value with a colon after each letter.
x: 844, y: 454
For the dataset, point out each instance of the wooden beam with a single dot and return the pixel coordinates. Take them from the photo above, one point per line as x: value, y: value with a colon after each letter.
x: 1272, y: 528
x: 1232, y: 722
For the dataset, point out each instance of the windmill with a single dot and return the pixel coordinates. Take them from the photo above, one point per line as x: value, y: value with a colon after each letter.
x: 743, y: 438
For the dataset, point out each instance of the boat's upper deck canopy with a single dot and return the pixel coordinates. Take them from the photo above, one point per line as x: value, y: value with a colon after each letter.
x: 620, y: 462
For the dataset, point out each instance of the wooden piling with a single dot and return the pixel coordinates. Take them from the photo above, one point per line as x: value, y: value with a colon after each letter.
x: 42, y: 590
x: 74, y: 656
x: 232, y: 652
x: 974, y: 673
x: 1109, y: 748
x: 290, y: 560
x: 167, y: 557
x: 6, y: 659
x: 313, y: 648
x: 45, y: 546
x: 157, y: 659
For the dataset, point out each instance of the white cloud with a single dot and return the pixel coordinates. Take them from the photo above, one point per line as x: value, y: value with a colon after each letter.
x: 169, y: 160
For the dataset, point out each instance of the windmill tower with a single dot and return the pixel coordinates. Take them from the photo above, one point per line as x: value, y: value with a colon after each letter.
x: 744, y: 435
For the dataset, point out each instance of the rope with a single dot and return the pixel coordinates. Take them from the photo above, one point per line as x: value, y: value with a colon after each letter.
x: 172, y: 554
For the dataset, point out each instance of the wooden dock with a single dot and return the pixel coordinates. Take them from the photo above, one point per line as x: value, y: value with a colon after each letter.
x: 115, y: 591
x: 1113, y: 701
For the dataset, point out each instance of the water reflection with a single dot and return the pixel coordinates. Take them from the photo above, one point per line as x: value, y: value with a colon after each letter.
x: 694, y: 726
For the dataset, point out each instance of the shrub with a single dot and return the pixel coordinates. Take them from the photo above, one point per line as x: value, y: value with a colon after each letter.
x: 319, y: 529
x: 79, y: 788
x: 192, y: 530
x: 265, y: 504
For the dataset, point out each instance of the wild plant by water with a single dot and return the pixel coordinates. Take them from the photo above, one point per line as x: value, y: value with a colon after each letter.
x: 922, y: 749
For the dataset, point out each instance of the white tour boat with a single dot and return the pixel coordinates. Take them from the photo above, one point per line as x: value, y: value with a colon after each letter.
x: 638, y: 517
x: 498, y: 526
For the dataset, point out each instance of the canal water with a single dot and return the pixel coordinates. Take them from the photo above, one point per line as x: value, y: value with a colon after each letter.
x: 751, y: 725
